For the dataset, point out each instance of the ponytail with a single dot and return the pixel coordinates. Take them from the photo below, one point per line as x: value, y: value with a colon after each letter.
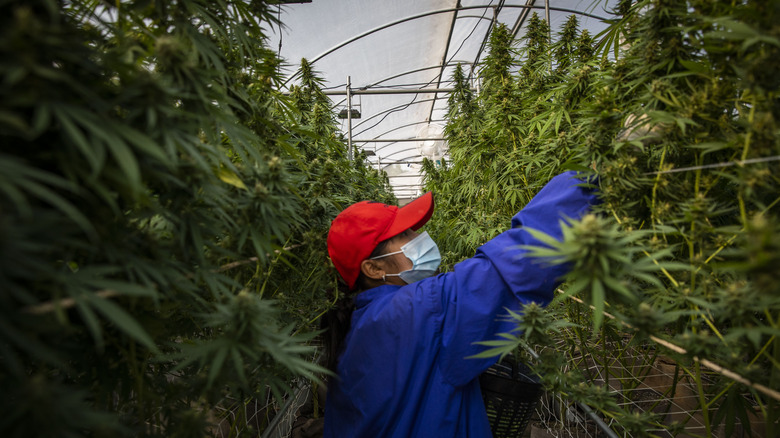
x: 338, y: 320
x: 336, y: 324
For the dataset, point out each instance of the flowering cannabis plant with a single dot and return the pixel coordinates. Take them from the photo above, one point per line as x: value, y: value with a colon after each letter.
x: 672, y: 273
x: 154, y: 190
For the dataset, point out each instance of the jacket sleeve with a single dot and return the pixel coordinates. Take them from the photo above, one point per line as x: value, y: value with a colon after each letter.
x: 480, y: 289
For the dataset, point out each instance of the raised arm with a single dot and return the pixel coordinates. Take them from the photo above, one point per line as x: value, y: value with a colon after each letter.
x: 499, y: 276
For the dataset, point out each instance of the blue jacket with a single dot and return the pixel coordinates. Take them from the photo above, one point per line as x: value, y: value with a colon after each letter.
x: 403, y: 370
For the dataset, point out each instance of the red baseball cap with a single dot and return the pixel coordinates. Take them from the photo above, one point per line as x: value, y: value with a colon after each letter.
x: 356, y: 231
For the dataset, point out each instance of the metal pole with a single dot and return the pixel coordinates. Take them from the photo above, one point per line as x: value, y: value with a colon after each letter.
x: 547, y: 13
x: 521, y: 19
x: 444, y: 59
x: 474, y: 64
x: 349, y: 118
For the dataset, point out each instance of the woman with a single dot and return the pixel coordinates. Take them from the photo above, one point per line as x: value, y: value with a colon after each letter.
x: 402, y: 367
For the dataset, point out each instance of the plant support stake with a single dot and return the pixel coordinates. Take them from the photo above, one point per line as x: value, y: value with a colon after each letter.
x: 349, y: 118
x: 707, y: 363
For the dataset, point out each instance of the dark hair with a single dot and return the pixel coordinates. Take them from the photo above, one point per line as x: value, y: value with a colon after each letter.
x: 337, y: 321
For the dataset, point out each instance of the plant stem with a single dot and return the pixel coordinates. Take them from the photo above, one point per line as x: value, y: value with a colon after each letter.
x: 705, y: 412
x: 692, y: 250
x: 655, y: 188
x: 605, y: 357
x: 745, y: 149
x: 773, y: 406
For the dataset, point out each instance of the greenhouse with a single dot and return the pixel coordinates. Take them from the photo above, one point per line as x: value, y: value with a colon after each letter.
x: 573, y: 221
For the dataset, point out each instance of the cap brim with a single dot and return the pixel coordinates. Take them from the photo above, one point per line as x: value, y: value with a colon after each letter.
x: 412, y: 215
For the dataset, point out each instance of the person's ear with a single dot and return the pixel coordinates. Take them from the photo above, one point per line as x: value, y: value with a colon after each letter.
x: 372, y: 269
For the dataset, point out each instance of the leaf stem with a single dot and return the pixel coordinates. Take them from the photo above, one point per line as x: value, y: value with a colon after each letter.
x: 655, y: 189
x: 705, y: 412
x: 773, y: 406
x: 745, y: 150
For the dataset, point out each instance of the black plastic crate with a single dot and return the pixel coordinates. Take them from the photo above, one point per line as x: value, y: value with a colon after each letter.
x: 511, y: 393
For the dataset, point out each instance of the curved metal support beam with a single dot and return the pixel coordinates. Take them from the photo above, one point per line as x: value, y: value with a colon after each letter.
x: 417, y: 70
x: 408, y: 125
x: 388, y: 111
x: 443, y: 11
x: 368, y: 90
x: 399, y: 162
x: 402, y: 150
x: 356, y: 91
x: 391, y: 142
x: 444, y: 56
x: 427, y: 14
x: 334, y: 91
x: 493, y: 21
x: 521, y: 19
x: 395, y: 140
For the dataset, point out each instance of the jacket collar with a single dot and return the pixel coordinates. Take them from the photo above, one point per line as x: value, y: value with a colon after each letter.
x: 364, y: 298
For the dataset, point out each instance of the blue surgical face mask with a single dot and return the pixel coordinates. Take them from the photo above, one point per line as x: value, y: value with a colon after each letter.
x: 424, y: 255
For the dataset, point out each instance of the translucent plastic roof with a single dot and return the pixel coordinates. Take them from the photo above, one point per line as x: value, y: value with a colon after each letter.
x: 403, y: 49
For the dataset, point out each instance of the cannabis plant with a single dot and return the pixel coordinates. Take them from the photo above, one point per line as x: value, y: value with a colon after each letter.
x: 328, y: 182
x: 152, y: 182
x: 672, y: 272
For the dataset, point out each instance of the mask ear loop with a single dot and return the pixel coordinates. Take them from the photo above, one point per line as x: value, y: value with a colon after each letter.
x: 384, y: 278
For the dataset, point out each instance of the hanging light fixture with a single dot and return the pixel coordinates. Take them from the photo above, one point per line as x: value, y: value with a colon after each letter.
x: 355, y: 113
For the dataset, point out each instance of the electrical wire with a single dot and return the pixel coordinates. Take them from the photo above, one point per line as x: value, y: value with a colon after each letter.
x: 401, y: 108
x: 281, y: 33
x: 469, y: 35
x: 432, y: 80
x: 496, y: 11
x: 387, y: 113
x: 718, y: 165
x: 414, y: 99
x: 406, y: 106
